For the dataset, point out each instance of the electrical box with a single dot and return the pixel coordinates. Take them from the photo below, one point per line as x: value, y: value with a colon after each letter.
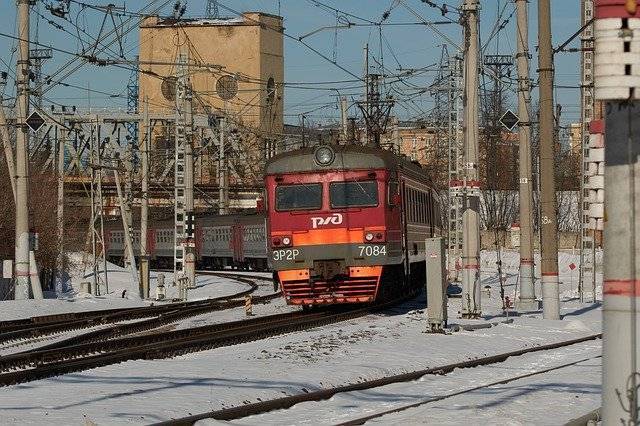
x: 436, y: 285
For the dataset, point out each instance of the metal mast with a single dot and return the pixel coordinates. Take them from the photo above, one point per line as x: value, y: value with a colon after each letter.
x: 527, y: 298
x: 22, y: 155
x: 37, y: 57
x: 549, y: 225
x: 471, y: 302
x: 212, y: 9
x: 132, y: 101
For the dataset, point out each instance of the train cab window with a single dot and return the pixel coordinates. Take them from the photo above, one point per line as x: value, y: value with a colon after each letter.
x: 299, y: 197
x: 353, y: 194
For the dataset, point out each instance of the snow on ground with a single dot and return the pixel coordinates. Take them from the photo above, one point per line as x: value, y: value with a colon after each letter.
x: 392, y: 342
x: 518, y: 402
x: 120, y: 282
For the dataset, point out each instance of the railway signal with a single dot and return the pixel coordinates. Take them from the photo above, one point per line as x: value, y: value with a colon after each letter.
x: 509, y: 120
x: 35, y: 121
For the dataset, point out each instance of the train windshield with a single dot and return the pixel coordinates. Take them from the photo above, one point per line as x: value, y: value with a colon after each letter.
x: 299, y: 197
x: 353, y: 194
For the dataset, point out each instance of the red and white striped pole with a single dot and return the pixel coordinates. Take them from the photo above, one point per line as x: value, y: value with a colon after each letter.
x: 617, y: 82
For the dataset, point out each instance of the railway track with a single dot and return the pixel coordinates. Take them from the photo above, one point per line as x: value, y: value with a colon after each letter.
x: 48, y: 325
x: 39, y: 364
x: 287, y: 402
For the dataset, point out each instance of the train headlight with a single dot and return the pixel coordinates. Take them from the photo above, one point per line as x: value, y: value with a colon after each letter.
x: 324, y: 155
x: 368, y: 236
x: 286, y: 241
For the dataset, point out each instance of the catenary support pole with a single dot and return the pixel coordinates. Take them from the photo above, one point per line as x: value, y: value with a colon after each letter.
x: 8, y: 151
x: 128, y: 244
x: 60, y: 279
x: 549, y: 225
x: 222, y: 168
x: 144, y: 205
x: 22, y: 155
x: 190, y: 251
x: 527, y: 298
x: 621, y: 352
x: 343, y: 118
x: 616, y: 31
x: 471, y: 302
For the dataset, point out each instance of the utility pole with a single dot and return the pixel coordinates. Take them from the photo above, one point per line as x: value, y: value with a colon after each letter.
x: 366, y: 90
x: 97, y: 212
x: 126, y: 220
x: 60, y: 213
x: 548, y: 223
x: 22, y: 155
x: 616, y: 84
x: 471, y: 296
x: 222, y: 168
x: 128, y: 197
x: 8, y: 151
x: 343, y: 118
x: 144, y: 205
x: 527, y: 298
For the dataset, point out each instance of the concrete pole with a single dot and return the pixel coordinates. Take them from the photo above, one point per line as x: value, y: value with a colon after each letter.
x: 527, y: 298
x: 128, y: 196
x: 128, y: 244
x: 144, y: 205
x: 34, y: 276
x: 343, y: 117
x: 621, y: 326
x: 22, y: 155
x: 222, y: 169
x: 8, y: 151
x: 62, y: 137
x: 366, y: 93
x: 471, y: 302
x: 548, y: 223
x: 395, y: 135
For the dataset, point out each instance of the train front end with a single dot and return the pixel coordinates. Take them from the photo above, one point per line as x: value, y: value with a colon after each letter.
x: 328, y: 224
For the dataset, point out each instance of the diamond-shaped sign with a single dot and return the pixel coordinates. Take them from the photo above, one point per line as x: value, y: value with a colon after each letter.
x: 35, y: 121
x: 509, y: 120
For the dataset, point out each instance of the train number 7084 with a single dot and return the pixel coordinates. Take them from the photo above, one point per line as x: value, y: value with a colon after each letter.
x: 370, y: 251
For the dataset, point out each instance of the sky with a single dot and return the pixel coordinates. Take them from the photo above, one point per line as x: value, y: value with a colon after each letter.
x: 406, y: 44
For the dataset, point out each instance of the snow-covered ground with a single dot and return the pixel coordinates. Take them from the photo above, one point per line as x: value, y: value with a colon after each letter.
x: 392, y: 342
x: 120, y: 283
